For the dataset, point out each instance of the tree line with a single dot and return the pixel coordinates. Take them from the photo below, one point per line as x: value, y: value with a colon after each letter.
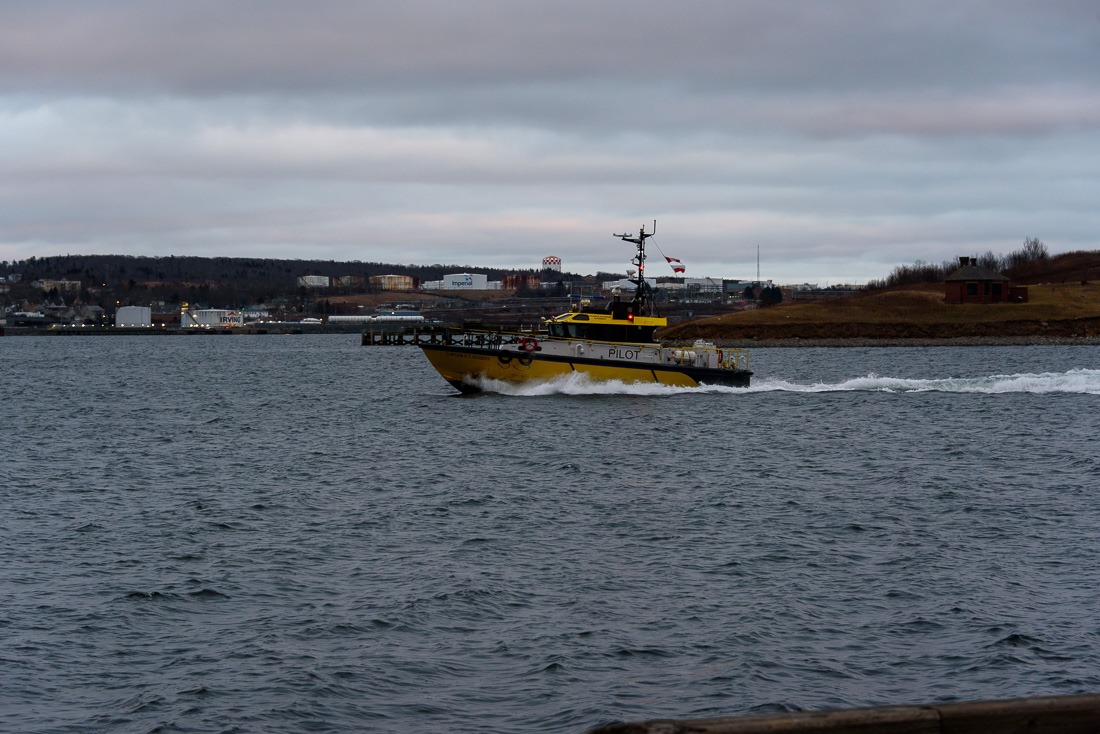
x: 1032, y: 251
x: 224, y: 281
x: 283, y: 273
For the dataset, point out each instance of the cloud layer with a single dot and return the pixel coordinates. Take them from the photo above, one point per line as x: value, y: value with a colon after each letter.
x: 839, y: 138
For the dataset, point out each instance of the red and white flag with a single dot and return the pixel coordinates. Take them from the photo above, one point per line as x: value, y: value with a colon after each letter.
x: 677, y: 266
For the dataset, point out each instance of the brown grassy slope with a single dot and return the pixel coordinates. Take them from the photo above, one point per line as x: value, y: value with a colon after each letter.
x: 1060, y: 309
x: 1068, y: 267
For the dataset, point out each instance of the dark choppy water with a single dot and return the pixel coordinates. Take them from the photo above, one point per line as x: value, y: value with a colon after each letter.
x: 294, y: 533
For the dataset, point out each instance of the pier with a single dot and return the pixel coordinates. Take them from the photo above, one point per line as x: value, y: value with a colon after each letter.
x: 1046, y: 715
x: 467, y: 335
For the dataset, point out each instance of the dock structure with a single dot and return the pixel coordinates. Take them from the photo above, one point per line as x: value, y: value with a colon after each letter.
x: 1047, y: 715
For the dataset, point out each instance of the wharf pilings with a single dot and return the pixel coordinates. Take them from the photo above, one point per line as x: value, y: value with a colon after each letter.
x: 1079, y: 714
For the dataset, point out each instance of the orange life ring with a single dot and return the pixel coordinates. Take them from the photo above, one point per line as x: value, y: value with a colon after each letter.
x: 528, y: 345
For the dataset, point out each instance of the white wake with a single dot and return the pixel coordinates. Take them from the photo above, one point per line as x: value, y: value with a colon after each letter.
x: 1075, y: 381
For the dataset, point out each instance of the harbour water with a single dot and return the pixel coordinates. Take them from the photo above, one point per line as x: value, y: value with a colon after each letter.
x: 294, y: 533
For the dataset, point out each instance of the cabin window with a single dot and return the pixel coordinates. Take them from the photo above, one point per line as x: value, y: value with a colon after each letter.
x: 971, y: 289
x: 603, y: 332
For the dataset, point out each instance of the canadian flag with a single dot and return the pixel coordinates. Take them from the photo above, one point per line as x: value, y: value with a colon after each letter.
x: 677, y: 266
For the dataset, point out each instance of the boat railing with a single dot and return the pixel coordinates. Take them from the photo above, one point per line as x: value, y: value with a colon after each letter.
x: 708, y: 355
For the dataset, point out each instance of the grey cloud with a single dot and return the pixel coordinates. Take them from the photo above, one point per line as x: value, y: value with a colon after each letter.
x: 206, y: 47
x: 839, y: 137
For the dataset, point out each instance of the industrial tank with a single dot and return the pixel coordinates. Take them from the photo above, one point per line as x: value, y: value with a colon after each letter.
x: 134, y: 316
x: 211, y: 318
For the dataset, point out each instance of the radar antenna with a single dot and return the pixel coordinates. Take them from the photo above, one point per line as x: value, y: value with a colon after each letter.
x: 641, y: 298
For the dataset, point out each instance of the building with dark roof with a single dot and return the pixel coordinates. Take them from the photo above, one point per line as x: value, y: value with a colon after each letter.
x: 974, y: 283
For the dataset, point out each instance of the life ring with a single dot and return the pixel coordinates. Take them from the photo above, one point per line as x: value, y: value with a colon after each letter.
x: 528, y: 345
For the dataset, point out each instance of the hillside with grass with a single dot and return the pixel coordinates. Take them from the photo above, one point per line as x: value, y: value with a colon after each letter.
x: 1063, y: 302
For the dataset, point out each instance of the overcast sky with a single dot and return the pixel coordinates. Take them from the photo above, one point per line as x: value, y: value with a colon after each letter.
x: 840, y: 137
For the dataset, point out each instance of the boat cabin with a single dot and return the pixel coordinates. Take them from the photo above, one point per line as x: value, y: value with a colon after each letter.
x: 616, y: 326
x: 622, y: 321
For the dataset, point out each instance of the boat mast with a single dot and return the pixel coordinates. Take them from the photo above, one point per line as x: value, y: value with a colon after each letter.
x: 640, y: 300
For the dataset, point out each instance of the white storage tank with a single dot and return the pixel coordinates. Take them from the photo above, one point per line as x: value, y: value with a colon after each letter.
x: 354, y: 319
x: 313, y: 281
x: 134, y: 316
x: 211, y: 317
x: 466, y: 282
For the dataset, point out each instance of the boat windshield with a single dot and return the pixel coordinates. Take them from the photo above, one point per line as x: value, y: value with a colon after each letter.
x: 603, y: 332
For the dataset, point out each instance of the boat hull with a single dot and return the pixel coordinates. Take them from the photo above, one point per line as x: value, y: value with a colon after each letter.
x: 462, y: 366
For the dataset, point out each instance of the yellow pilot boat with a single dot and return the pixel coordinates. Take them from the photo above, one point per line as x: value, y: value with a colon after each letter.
x: 616, y: 343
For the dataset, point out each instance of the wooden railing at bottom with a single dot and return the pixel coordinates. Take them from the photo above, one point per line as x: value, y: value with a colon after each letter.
x: 1049, y: 715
